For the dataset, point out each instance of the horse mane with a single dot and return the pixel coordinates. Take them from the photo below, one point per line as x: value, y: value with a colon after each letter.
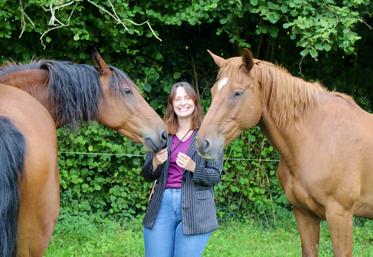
x: 10, y: 67
x: 287, y: 98
x: 74, y: 89
x: 345, y: 97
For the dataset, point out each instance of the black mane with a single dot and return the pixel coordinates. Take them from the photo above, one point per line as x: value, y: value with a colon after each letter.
x: 74, y: 89
x: 19, y: 67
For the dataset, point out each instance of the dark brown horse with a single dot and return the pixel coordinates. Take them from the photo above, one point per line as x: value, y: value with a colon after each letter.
x: 324, y: 138
x: 29, y: 181
x: 74, y: 93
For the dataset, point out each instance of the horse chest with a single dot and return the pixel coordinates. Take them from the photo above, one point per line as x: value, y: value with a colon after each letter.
x: 299, y: 193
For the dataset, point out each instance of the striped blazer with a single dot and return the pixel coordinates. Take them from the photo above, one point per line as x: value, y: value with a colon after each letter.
x: 197, y: 193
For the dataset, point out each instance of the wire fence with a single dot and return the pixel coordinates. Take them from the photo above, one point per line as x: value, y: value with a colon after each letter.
x: 142, y: 156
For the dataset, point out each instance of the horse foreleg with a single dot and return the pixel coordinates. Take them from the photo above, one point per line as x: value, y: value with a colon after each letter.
x: 340, y: 225
x: 309, y: 230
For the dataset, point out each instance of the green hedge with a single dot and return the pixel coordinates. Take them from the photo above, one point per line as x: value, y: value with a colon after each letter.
x: 100, y: 173
x: 325, y: 40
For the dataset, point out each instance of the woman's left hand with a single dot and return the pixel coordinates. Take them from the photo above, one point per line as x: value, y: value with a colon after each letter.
x: 185, y: 162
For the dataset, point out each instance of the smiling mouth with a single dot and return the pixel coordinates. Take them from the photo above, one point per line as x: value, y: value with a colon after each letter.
x: 184, y: 109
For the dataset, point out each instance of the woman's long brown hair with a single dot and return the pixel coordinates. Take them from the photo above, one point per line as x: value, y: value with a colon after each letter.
x: 170, y: 116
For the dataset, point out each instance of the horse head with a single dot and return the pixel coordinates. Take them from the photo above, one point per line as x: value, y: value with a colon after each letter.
x: 124, y: 109
x: 236, y: 104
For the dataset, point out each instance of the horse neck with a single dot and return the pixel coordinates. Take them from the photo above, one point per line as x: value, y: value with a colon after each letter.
x: 286, y: 102
x: 287, y: 98
x: 34, y: 82
x: 285, y: 139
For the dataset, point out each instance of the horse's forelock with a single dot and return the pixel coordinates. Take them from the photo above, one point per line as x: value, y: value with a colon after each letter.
x: 118, y: 79
x: 235, y: 70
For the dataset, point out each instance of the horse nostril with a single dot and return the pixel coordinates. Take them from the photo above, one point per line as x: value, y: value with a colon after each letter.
x: 206, y: 145
x: 164, y: 134
x: 163, y: 138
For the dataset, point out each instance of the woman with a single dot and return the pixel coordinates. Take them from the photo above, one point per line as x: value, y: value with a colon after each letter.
x: 181, y: 212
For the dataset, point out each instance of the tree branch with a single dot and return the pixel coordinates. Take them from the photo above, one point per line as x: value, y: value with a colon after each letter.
x: 121, y: 21
x: 23, y: 20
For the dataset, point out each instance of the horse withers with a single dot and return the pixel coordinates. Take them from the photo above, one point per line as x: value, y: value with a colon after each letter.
x: 29, y: 181
x: 325, y: 142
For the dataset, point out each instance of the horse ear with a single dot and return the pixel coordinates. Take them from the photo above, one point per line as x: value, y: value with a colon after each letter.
x: 220, y: 61
x: 247, y: 59
x: 99, y: 63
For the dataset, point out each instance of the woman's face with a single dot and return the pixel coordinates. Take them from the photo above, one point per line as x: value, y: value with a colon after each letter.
x: 183, y: 105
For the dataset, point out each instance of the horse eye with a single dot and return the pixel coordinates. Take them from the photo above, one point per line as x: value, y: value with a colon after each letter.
x: 237, y: 93
x: 127, y: 91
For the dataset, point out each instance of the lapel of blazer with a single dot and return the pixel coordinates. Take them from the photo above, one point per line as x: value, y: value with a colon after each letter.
x: 167, y: 164
x: 169, y: 142
x: 192, y: 148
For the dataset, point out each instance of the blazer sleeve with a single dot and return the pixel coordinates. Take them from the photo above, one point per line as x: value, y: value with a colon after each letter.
x: 147, y: 170
x: 208, y: 172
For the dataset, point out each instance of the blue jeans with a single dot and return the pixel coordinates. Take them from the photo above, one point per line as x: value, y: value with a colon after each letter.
x: 166, y: 238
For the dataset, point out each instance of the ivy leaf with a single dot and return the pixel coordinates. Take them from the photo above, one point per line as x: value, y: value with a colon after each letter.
x: 147, y: 87
x: 254, y: 2
x: 304, y: 52
x: 176, y: 75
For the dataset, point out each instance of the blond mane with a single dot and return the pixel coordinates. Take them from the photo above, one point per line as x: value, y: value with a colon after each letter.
x: 287, y: 98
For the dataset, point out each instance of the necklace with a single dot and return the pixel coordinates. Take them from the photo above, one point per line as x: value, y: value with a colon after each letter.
x: 180, y: 140
x: 172, y: 150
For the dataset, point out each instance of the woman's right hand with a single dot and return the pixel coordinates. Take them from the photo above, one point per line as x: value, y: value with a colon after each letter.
x: 160, y: 158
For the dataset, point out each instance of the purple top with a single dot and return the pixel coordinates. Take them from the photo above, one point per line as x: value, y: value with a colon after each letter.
x: 175, y: 173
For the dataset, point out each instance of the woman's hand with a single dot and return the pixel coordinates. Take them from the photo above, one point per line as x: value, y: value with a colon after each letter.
x: 185, y: 162
x: 160, y: 158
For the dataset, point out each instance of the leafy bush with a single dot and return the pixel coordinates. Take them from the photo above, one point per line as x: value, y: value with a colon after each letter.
x: 100, y: 173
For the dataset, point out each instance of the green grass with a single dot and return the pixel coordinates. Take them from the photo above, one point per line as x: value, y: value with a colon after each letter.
x: 93, y: 237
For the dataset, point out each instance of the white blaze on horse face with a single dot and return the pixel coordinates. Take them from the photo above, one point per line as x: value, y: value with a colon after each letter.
x: 222, y: 83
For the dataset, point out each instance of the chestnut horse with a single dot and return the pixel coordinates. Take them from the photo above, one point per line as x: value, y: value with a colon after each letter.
x: 29, y: 181
x: 325, y: 141
x: 74, y: 93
